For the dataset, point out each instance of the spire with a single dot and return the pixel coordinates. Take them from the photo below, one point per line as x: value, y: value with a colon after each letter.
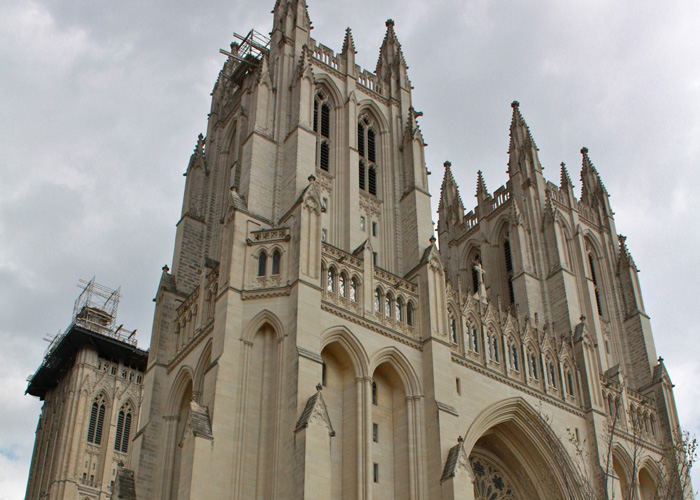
x: 624, y: 256
x: 565, y: 180
x: 199, y: 148
x: 522, y: 150
x: 348, y: 53
x: 391, y: 58
x: 348, y: 42
x: 481, y: 191
x: 591, y: 185
x: 197, y: 159
x: 519, y: 131
x: 450, y: 200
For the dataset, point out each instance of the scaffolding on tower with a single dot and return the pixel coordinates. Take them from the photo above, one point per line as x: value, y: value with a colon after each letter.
x: 247, y: 53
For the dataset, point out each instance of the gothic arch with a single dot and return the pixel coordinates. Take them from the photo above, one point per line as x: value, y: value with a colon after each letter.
x: 370, y: 107
x: 501, y: 224
x: 648, y: 479
x: 402, y: 366
x: 326, y: 83
x: 178, y: 389
x: 263, y: 317
x: 516, y: 424
x: 200, y: 369
x: 622, y: 468
x: 352, y: 346
x: 591, y: 239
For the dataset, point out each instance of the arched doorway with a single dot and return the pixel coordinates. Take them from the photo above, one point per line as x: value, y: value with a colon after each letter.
x: 515, y: 455
x: 340, y: 396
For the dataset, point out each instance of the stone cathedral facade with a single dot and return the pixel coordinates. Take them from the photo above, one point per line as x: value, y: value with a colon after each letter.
x: 312, y: 340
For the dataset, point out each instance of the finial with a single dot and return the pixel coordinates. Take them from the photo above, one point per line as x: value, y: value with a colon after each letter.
x: 447, y: 164
x: 166, y: 268
x: 584, y: 150
x: 514, y: 104
x: 622, y: 239
x: 583, y: 318
x: 460, y: 440
x: 432, y: 240
x: 319, y: 387
x: 389, y: 23
x: 312, y: 178
x: 660, y: 360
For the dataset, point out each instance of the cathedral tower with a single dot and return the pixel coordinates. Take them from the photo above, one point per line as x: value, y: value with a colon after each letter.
x: 312, y: 341
x: 91, y: 382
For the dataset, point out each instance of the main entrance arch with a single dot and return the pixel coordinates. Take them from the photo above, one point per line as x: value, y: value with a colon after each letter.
x: 515, y: 455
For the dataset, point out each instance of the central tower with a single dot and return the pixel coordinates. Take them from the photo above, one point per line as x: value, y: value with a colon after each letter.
x: 306, y: 216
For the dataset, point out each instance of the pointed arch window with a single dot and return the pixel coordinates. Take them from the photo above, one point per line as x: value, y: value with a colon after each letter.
x: 398, y: 313
x: 367, y: 150
x: 322, y: 128
x: 262, y: 263
x: 341, y: 286
x: 121, y: 442
x: 551, y: 374
x: 453, y: 330
x: 276, y: 256
x: 353, y: 290
x: 532, y: 365
x: 330, y: 284
x: 97, y: 419
x: 513, y: 356
x: 475, y: 339
x: 509, y: 269
x: 377, y: 301
x: 387, y: 306
x: 475, y: 266
x: 493, y: 345
x: 409, y: 314
x: 569, y: 383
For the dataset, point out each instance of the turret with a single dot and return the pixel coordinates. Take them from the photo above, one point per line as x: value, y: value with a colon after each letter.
x: 291, y: 23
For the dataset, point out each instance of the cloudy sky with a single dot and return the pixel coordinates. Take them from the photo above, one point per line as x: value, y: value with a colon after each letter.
x: 101, y: 103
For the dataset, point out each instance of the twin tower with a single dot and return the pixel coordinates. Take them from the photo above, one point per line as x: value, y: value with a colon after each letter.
x: 313, y: 341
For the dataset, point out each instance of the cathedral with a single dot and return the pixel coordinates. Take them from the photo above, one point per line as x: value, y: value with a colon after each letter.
x: 314, y: 339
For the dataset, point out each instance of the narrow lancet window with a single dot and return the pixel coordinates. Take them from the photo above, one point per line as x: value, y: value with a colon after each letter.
x: 341, y: 286
x: 276, y: 256
x: 262, y: 264
x: 595, y: 284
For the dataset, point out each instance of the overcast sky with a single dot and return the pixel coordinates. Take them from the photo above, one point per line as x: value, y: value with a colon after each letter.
x: 101, y: 104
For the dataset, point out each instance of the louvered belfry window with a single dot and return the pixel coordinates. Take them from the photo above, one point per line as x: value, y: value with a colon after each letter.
x: 367, y: 150
x: 121, y: 442
x: 97, y: 418
x: 322, y: 129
